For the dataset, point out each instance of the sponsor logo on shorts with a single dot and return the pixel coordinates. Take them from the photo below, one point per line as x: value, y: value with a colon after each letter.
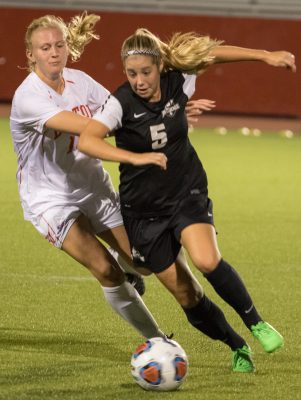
x: 195, y: 191
x: 137, y: 255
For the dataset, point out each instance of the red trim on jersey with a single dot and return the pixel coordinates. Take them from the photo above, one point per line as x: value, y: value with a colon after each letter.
x: 51, y: 236
x: 20, y: 168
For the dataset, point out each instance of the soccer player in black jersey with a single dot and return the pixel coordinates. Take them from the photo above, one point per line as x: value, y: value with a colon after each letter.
x: 163, y: 185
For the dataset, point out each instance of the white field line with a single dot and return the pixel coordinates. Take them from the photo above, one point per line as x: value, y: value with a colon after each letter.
x: 48, y: 277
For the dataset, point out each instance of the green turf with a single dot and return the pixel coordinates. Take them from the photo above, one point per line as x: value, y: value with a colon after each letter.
x: 58, y: 338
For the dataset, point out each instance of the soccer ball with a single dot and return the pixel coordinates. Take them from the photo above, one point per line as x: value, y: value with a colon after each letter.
x: 159, y: 364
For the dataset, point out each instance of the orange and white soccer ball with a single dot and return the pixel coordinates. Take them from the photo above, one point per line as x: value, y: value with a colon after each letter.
x: 159, y: 364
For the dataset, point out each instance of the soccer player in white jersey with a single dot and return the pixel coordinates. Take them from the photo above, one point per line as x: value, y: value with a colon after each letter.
x: 66, y: 195
x: 163, y: 185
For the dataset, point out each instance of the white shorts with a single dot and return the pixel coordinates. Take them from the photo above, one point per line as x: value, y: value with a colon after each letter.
x: 102, y: 212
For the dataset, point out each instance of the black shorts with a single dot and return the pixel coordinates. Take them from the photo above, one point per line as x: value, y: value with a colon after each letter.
x: 155, y: 242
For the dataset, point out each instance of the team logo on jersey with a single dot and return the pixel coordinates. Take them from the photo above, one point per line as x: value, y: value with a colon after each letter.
x: 170, y: 109
x: 137, y: 255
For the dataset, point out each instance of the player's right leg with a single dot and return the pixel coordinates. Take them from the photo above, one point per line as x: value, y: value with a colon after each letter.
x: 66, y: 228
x: 104, y: 214
x: 81, y: 244
x: 205, y: 315
x: 117, y: 239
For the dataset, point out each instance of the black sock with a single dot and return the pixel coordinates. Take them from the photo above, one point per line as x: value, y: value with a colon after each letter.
x: 228, y: 284
x: 209, y: 319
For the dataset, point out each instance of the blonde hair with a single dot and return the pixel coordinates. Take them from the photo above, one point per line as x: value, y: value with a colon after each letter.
x: 187, y: 52
x: 78, y: 33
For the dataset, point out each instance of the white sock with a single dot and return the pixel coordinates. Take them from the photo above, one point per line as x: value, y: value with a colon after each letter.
x: 123, y: 264
x: 125, y: 300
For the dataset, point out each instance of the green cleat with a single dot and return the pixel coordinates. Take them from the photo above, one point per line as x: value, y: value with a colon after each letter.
x: 268, y: 337
x: 242, y: 361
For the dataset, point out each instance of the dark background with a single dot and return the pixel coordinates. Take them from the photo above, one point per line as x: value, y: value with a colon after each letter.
x: 241, y: 88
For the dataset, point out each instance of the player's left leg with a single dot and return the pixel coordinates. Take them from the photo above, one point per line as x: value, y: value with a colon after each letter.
x: 119, y: 248
x: 201, y: 244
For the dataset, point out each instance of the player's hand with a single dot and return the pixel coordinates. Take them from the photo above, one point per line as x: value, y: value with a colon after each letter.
x: 281, y: 59
x: 195, y: 108
x: 159, y: 159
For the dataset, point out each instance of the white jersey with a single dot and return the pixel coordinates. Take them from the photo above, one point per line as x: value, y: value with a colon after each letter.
x: 51, y: 171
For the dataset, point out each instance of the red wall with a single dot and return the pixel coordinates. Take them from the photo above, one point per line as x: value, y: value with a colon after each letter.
x: 252, y: 88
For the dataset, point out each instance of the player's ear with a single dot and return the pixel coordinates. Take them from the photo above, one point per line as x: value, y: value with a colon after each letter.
x: 161, y: 66
x: 29, y: 55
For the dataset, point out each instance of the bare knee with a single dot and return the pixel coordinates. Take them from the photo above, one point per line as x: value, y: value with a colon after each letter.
x: 106, y: 271
x: 207, y: 263
x: 189, y: 297
x: 82, y: 245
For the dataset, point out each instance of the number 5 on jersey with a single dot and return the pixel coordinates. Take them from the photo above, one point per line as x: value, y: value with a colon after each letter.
x: 159, y: 136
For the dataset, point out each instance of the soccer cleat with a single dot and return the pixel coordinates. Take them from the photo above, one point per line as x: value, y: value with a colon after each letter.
x: 137, y: 282
x: 268, y: 337
x: 242, y: 361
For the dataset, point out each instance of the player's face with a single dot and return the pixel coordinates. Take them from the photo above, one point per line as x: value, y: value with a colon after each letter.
x: 49, y: 52
x: 143, y: 76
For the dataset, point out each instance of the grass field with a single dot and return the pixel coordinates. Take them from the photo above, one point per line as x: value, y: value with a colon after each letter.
x: 60, y: 340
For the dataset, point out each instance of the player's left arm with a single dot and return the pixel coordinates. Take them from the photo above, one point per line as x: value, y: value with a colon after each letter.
x: 195, y: 108
x: 223, y: 54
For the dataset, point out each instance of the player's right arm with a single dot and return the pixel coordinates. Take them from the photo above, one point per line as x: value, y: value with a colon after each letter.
x: 36, y: 112
x: 92, y: 143
x: 68, y: 122
x: 92, y: 139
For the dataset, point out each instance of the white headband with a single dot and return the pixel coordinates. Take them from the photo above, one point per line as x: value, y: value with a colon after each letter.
x: 140, y: 52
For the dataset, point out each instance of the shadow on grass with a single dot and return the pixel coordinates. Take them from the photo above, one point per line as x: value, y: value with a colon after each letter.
x: 40, y: 364
x: 30, y: 340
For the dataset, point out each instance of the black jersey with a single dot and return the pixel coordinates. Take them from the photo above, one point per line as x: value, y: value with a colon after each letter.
x: 157, y: 126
